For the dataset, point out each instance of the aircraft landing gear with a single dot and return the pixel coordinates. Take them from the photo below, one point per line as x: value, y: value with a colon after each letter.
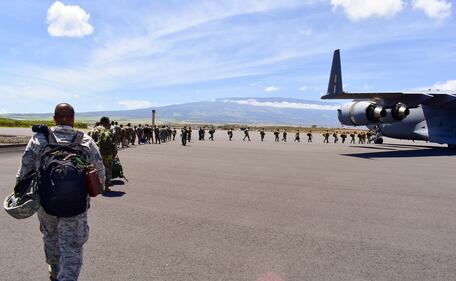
x: 376, y: 135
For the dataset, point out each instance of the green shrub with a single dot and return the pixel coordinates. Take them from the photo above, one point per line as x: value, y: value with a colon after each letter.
x: 6, y: 122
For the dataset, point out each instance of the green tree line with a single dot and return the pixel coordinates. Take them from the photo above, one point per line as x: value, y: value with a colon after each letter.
x: 13, y: 123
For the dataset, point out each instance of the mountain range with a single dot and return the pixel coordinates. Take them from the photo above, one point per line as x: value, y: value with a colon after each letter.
x: 255, y: 111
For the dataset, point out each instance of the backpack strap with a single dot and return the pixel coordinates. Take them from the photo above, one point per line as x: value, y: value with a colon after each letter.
x: 78, y: 137
x: 41, y: 129
x: 52, y: 140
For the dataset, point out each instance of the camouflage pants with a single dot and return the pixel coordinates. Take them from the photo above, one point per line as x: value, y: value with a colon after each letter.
x: 63, y: 241
x: 107, y: 161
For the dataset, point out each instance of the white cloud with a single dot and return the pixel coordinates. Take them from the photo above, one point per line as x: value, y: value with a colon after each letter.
x: 169, y: 22
x: 435, y: 9
x: 362, y: 9
x: 135, y: 104
x: 271, y: 89
x: 292, y: 105
x: 306, y: 31
x: 68, y: 21
x: 449, y: 85
x: 303, y: 88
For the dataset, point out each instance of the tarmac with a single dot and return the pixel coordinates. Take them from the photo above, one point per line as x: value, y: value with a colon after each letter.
x: 260, y: 212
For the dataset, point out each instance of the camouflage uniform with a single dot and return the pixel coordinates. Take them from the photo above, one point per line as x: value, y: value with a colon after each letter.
x: 184, y: 136
x: 124, y: 137
x: 262, y: 134
x: 140, y: 134
x: 352, y: 136
x: 63, y: 237
x: 157, y: 134
x: 297, y: 137
x: 276, y: 136
x: 230, y: 134
x: 246, y: 134
x: 107, y: 156
x: 189, y: 134
x: 284, y: 136
x: 133, y: 135
x: 309, y: 137
x: 326, y: 135
x: 117, y: 135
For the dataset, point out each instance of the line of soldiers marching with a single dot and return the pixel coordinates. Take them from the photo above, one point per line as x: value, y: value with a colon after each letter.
x: 126, y: 135
x: 363, y: 137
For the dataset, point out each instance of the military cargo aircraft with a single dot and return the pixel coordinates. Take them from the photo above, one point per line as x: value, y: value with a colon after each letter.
x: 428, y: 115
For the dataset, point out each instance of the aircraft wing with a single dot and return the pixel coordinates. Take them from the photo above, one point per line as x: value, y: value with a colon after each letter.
x: 412, y: 99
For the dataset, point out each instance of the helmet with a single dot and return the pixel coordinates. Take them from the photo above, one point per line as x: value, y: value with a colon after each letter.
x: 24, y: 201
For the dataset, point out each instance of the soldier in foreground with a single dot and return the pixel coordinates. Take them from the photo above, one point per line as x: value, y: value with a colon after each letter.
x: 63, y: 237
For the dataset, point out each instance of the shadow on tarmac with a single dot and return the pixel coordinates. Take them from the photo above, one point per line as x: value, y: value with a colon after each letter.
x: 409, y: 145
x: 113, y: 193
x: 426, y: 152
x: 117, y: 182
x: 373, y: 147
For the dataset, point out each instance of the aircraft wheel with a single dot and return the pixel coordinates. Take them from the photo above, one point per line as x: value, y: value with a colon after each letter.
x: 378, y: 141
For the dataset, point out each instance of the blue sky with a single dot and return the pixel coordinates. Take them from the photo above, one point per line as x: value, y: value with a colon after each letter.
x: 103, y: 55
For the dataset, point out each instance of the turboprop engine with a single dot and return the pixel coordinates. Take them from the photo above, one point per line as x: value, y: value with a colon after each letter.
x: 361, y: 113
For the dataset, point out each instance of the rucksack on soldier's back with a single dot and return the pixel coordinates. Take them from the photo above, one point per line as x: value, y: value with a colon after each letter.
x: 62, y: 186
x: 117, y: 169
x: 104, y: 140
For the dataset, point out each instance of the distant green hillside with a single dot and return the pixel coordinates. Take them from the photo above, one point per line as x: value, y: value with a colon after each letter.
x: 7, y: 122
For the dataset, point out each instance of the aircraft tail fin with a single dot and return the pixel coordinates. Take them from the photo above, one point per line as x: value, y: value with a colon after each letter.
x: 335, y: 79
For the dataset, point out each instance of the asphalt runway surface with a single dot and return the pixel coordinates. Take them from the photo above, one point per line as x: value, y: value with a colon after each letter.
x: 260, y: 212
